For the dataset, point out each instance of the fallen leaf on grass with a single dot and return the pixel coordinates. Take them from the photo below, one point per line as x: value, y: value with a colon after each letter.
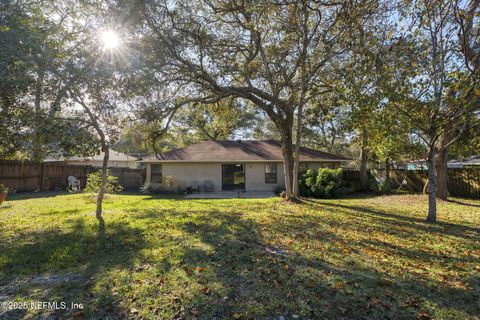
x: 411, y: 302
x: 386, y: 282
x: 311, y: 284
x: 206, y: 290
x: 388, y: 294
x: 133, y: 310
x: 423, y: 315
x: 142, y: 267
x: 372, y: 302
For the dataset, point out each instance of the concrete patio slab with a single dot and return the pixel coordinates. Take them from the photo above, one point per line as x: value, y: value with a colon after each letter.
x: 231, y: 195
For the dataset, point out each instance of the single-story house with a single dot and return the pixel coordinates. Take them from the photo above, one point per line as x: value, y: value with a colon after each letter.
x: 469, y: 162
x: 231, y: 165
x: 116, y: 160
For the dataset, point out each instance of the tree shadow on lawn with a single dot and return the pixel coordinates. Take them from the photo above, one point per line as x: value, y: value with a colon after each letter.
x: 36, y: 195
x: 440, y: 227
x: 455, y: 201
x: 51, y: 194
x: 235, y: 271
x: 59, y: 266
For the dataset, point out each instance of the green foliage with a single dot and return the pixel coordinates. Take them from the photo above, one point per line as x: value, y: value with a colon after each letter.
x: 215, y: 121
x: 38, y: 64
x: 148, y: 188
x: 384, y: 186
x: 323, y: 183
x: 3, y: 189
x: 324, y: 123
x: 94, y: 183
x: 307, y: 183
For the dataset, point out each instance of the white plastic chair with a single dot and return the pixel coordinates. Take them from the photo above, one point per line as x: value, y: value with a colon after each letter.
x: 73, y: 183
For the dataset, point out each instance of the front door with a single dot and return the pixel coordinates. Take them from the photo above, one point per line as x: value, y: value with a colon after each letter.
x: 233, y: 177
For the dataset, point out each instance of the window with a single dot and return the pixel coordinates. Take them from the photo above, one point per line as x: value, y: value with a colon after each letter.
x: 156, y: 174
x: 270, y: 173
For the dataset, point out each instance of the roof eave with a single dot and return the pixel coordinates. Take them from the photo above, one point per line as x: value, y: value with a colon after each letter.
x: 238, y: 160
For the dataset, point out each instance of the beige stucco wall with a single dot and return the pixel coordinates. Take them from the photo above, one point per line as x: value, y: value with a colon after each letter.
x: 182, y: 174
x: 255, y: 177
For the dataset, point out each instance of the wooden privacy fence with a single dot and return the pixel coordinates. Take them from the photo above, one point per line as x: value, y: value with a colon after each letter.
x: 461, y: 182
x: 31, y: 176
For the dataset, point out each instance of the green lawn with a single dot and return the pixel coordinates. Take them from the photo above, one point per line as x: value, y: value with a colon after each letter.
x: 370, y: 258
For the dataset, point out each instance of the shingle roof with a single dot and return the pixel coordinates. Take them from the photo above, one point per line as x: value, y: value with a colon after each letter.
x: 241, y: 150
x: 467, y: 161
x: 113, y: 156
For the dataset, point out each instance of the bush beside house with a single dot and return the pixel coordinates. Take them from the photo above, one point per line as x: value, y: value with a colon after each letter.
x: 324, y: 183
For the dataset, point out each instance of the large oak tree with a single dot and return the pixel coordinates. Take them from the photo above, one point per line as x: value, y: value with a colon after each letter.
x: 271, y: 53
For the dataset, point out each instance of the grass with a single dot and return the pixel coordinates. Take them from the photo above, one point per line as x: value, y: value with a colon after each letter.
x: 158, y: 258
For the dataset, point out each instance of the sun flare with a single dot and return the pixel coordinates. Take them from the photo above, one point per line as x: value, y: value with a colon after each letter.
x: 110, y: 39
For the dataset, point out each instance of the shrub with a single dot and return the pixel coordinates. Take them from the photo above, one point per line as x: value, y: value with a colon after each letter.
x: 94, y: 183
x: 323, y: 183
x: 384, y: 186
x: 146, y: 188
x: 3, y: 189
x: 379, y: 186
x: 307, y: 183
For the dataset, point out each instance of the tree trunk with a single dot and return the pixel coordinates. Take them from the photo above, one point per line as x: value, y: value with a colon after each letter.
x: 101, y: 193
x: 442, y: 169
x: 37, y: 132
x: 432, y: 185
x: 363, y: 162
x: 296, y: 191
x: 105, y: 149
x: 288, y: 162
x: 387, y: 173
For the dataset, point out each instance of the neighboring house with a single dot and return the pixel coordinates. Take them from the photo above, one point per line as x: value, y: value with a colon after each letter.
x: 470, y: 162
x: 116, y: 159
x: 231, y: 165
x: 420, y: 164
